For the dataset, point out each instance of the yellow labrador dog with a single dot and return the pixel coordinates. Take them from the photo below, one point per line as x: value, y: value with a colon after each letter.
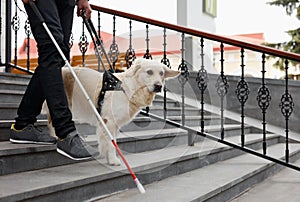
x: 140, y: 84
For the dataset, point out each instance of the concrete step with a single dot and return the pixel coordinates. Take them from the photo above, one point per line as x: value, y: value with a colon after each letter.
x: 229, y: 130
x: 176, y: 111
x: 9, y: 111
x: 148, y: 140
x: 283, y: 186
x: 11, y: 96
x: 13, y: 85
x: 221, y: 181
x: 146, y: 123
x: 85, y: 180
x: 12, y: 155
x: 160, y: 102
x: 14, y: 77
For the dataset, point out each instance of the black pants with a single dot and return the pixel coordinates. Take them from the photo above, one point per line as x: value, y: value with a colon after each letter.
x: 46, y: 83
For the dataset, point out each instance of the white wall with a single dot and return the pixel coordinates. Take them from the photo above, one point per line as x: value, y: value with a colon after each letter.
x: 190, y: 14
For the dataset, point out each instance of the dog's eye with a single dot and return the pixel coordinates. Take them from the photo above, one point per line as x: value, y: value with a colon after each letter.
x: 150, y: 72
x: 161, y: 73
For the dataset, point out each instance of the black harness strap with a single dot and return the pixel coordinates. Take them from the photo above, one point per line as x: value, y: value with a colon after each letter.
x: 109, y: 83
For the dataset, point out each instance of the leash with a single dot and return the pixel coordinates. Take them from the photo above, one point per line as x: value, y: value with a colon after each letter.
x: 100, y: 120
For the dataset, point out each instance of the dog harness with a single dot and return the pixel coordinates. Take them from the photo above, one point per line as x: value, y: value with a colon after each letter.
x: 109, y: 83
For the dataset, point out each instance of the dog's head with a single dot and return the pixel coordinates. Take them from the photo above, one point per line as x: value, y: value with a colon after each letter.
x: 151, y: 73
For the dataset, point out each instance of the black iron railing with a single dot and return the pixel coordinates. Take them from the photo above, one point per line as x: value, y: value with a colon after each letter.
x: 242, y: 91
x: 222, y: 85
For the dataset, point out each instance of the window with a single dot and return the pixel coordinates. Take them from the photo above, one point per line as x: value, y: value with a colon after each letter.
x: 210, y: 7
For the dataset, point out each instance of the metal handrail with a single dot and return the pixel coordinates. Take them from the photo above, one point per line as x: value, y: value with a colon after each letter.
x: 214, y: 37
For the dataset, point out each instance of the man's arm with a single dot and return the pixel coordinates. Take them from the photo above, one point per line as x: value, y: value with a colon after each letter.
x: 81, y: 5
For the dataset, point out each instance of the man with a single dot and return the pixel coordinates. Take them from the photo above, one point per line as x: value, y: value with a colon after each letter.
x: 47, y: 83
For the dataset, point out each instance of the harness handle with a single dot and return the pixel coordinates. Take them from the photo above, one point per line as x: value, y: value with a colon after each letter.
x: 97, y: 42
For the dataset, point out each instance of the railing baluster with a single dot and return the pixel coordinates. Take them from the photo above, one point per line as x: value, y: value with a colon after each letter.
x: 242, y: 93
x: 222, y: 89
x: 8, y: 46
x: 99, y: 24
x: 16, y: 26
x: 287, y: 106
x: 28, y: 32
x: 264, y: 99
x: 183, y: 78
x: 130, y: 53
x: 147, y: 55
x: 166, y: 62
x: 83, y: 44
x: 114, y: 49
x: 0, y: 36
x: 202, y: 81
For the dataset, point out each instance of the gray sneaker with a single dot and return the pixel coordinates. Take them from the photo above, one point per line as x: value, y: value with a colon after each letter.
x: 30, y: 135
x: 74, y: 147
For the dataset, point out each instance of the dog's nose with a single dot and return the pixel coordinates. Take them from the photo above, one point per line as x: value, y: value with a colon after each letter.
x: 157, y: 88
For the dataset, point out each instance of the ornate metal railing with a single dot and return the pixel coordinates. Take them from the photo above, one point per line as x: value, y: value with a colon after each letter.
x: 242, y: 91
x: 222, y: 85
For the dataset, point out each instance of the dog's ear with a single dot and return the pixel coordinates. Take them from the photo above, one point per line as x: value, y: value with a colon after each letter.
x: 169, y: 73
x: 134, y: 67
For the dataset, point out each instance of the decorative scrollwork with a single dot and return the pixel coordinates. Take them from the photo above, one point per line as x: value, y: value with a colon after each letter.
x: 130, y: 57
x: 147, y: 55
x: 71, y: 41
x: 113, y: 52
x: 83, y: 43
x: 184, y: 76
x: 263, y: 98
x: 166, y: 62
x: 242, y: 91
x: 15, y: 23
x: 27, y: 28
x: 287, y: 104
x: 222, y: 85
x: 114, y: 49
x: 202, y: 79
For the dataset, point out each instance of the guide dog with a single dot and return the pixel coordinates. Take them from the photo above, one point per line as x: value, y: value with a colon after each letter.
x: 140, y: 83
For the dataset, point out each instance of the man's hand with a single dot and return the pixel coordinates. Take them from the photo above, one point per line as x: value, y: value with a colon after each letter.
x: 27, y: 1
x: 83, y: 5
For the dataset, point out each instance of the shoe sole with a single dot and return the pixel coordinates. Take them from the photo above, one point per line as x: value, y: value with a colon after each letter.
x: 71, y: 157
x: 30, y: 142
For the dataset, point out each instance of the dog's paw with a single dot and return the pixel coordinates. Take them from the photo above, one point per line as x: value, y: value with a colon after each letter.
x: 114, y: 162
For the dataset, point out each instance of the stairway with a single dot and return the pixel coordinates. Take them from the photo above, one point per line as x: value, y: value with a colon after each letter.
x: 168, y: 168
